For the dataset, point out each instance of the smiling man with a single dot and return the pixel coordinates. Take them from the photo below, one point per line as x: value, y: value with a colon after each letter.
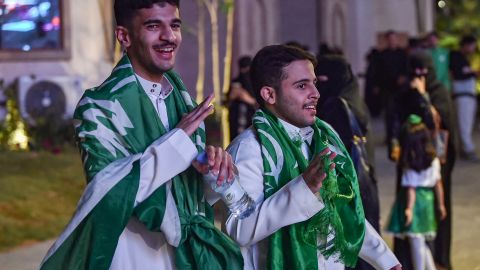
x: 138, y: 133
x: 309, y: 213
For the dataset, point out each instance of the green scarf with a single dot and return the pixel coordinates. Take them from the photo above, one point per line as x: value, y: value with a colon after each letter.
x: 295, y: 246
x: 115, y: 123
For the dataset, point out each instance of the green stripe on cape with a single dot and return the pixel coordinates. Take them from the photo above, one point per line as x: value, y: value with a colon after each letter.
x: 115, y: 123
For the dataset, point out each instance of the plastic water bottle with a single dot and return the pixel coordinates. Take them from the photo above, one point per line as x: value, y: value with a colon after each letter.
x: 233, y: 195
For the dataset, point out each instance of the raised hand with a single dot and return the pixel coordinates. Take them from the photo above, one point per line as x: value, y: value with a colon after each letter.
x: 191, y: 121
x: 316, y: 173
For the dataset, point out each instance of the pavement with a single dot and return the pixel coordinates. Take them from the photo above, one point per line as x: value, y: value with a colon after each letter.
x: 466, y: 213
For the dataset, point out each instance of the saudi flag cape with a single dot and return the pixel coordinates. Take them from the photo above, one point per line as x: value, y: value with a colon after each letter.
x: 115, y: 123
x: 339, y: 228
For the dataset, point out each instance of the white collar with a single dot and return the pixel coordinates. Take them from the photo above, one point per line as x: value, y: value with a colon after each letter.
x: 295, y: 133
x: 159, y: 90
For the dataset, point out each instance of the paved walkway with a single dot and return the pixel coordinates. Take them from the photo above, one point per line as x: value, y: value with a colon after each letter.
x: 466, y: 214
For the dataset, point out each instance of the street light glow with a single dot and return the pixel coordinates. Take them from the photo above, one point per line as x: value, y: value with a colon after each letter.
x: 441, y: 4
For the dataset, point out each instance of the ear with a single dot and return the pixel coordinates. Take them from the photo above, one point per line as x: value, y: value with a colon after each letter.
x: 123, y: 36
x: 268, y: 94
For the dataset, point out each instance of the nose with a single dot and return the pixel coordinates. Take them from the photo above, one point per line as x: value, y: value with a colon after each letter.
x: 315, y: 93
x: 167, y: 34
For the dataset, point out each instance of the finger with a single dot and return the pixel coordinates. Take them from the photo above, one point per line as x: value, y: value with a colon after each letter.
x: 223, y: 170
x: 204, y: 114
x: 210, y: 155
x: 332, y: 166
x: 325, y: 151
x: 316, y: 164
x: 322, y: 177
x: 332, y: 155
x: 217, y: 160
x: 231, y: 173
x: 207, y: 100
x: 200, y: 110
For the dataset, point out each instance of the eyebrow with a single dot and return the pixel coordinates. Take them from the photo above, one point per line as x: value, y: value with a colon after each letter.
x: 157, y: 21
x: 301, y: 81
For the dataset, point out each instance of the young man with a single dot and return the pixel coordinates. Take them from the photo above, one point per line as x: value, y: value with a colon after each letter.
x: 144, y: 205
x: 309, y: 214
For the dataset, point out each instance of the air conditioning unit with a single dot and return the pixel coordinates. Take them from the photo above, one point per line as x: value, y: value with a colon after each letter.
x: 48, y: 96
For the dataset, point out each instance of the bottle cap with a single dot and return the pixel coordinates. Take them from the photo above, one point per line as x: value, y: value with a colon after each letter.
x: 202, y: 157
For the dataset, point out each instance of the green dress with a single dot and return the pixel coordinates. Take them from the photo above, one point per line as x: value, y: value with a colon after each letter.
x: 424, y: 222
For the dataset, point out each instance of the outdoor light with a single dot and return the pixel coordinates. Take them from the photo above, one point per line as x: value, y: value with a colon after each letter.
x: 18, y: 139
x: 441, y: 4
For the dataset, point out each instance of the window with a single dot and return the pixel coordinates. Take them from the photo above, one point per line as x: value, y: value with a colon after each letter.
x: 33, y: 29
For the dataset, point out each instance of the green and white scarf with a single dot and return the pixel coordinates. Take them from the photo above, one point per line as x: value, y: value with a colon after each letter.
x: 295, y: 246
x: 115, y: 123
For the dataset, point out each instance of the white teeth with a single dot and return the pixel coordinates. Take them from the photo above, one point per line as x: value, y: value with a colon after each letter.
x: 166, y: 50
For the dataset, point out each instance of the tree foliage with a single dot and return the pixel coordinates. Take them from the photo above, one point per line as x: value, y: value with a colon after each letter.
x: 456, y: 19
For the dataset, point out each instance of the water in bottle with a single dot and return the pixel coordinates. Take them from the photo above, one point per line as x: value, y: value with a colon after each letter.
x: 233, y: 195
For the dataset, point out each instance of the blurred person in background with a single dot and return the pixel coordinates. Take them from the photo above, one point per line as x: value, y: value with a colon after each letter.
x: 341, y: 106
x: 373, y: 97
x: 241, y: 103
x: 392, y: 73
x: 429, y: 99
x: 464, y: 94
x: 413, y: 212
x: 441, y: 59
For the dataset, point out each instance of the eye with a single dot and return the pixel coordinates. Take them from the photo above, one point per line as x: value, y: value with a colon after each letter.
x: 152, y: 27
x: 176, y: 26
x: 302, y: 85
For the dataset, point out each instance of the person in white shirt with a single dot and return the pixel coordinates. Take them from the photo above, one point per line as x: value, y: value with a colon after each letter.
x: 144, y: 206
x: 308, y: 211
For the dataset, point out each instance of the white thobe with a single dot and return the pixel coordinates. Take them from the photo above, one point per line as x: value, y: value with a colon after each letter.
x: 171, y: 154
x: 291, y: 204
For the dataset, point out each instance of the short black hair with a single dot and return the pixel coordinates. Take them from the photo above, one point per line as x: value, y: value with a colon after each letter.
x: 125, y: 9
x: 268, y: 64
x: 390, y: 32
x: 468, y: 39
x: 244, y: 61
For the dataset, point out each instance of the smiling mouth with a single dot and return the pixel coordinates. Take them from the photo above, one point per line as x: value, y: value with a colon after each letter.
x: 310, y: 107
x: 166, y: 49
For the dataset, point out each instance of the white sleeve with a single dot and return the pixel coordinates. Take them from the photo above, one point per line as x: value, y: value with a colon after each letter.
x: 166, y: 157
x: 375, y: 251
x: 291, y: 204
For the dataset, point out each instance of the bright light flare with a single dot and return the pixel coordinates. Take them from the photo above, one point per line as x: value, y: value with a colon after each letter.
x: 18, y: 139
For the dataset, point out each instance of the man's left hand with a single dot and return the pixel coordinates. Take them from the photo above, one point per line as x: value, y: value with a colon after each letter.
x: 219, y: 163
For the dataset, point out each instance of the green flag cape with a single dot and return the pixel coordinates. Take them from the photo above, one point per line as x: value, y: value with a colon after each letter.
x: 295, y: 246
x: 115, y: 123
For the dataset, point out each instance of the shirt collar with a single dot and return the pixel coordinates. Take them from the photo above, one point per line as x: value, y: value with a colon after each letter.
x: 159, y: 90
x: 296, y: 133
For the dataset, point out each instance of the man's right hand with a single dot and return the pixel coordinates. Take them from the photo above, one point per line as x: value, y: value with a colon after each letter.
x: 316, y: 173
x: 190, y: 122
